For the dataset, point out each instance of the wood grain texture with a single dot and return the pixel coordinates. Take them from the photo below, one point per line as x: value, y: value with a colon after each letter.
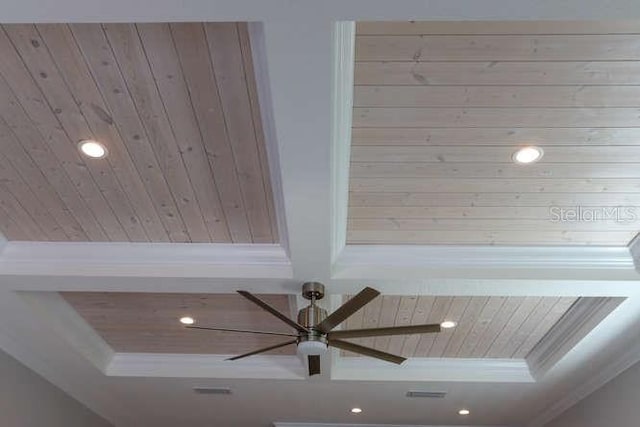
x: 149, y: 93
x: 441, y: 107
x: 148, y: 323
x: 487, y: 327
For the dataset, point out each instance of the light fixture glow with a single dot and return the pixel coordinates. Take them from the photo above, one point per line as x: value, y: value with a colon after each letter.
x: 464, y: 412
x: 311, y: 348
x: 356, y: 410
x: 527, y: 155
x: 93, y: 149
x: 448, y: 324
x: 186, y: 320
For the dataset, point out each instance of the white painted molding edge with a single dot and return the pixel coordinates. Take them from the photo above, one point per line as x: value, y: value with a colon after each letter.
x: 204, y: 366
x: 594, y: 382
x: 425, y: 369
x: 576, y: 323
x: 485, y: 256
x: 263, y: 87
x: 278, y: 424
x: 600, y: 358
x: 634, y: 249
x: 65, y: 321
x: 342, y: 99
x: 144, y: 259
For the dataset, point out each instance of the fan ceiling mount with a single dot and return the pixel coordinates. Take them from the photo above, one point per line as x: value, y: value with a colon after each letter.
x: 314, y: 329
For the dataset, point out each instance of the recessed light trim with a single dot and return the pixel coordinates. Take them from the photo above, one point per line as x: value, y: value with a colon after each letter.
x: 464, y: 412
x: 92, y: 149
x: 187, y: 320
x: 527, y: 155
x: 448, y: 324
x: 356, y: 410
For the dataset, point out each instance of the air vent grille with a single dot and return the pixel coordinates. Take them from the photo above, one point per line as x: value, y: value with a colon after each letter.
x: 212, y: 390
x: 427, y: 394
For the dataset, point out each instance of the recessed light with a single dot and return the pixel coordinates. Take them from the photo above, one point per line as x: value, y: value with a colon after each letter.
x: 448, y: 324
x: 356, y: 410
x: 464, y: 412
x: 526, y: 155
x: 186, y: 320
x: 93, y: 149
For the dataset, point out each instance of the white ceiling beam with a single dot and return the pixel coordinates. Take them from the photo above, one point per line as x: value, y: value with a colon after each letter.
x: 407, y: 262
x: 300, y: 57
x: 308, y: 10
x: 151, y: 260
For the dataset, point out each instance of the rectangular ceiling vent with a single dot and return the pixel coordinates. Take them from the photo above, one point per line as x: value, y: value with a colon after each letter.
x: 212, y: 390
x: 427, y: 394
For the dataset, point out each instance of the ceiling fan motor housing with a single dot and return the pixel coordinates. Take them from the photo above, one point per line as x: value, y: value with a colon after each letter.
x: 313, y: 342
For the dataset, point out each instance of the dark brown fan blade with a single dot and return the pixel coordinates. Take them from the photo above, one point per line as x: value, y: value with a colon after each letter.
x: 355, y: 348
x: 314, y: 365
x: 244, y: 331
x: 263, y: 350
x: 347, y: 309
x: 254, y: 299
x: 380, y: 332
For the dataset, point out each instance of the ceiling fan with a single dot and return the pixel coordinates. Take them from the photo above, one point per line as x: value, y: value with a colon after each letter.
x: 314, y: 329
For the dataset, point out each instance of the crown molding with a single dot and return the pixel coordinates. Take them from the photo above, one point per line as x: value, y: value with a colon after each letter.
x: 277, y: 424
x: 263, y: 88
x: 204, y: 366
x: 342, y: 100
x: 65, y: 321
x: 144, y: 259
x: 574, y: 325
x: 477, y: 262
x: 609, y: 349
x: 426, y: 369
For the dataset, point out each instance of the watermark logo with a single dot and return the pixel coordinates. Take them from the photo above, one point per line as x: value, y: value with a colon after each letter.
x: 593, y: 213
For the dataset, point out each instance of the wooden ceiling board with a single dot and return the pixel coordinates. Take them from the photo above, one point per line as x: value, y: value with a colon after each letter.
x: 440, y: 108
x: 487, y: 327
x: 148, y: 323
x: 177, y: 108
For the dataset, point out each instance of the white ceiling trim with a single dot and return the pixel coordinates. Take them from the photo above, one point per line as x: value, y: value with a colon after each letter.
x: 205, y: 366
x: 145, y: 260
x: 344, y: 40
x: 258, y: 10
x: 302, y: 117
x: 424, y: 369
x: 599, y: 357
x: 277, y: 424
x: 500, y: 262
x: 576, y: 323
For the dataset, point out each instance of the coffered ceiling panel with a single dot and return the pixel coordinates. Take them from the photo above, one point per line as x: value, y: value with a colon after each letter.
x: 487, y: 327
x: 149, y: 323
x: 176, y: 107
x: 440, y: 108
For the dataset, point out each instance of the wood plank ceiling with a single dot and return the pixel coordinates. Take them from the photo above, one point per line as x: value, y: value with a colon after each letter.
x: 148, y: 323
x: 487, y: 327
x: 439, y: 109
x: 176, y: 107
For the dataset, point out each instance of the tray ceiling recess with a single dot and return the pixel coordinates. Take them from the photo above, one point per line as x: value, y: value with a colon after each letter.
x: 176, y: 108
x: 440, y: 109
x: 486, y: 327
x: 149, y: 323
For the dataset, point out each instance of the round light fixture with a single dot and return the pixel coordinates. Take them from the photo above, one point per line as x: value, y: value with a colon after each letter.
x: 186, y: 320
x: 93, y: 149
x: 448, y: 324
x: 526, y: 155
x: 464, y: 412
x: 356, y: 410
x: 311, y: 348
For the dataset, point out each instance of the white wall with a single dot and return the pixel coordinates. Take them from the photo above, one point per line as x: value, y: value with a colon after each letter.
x: 28, y: 400
x: 616, y: 404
